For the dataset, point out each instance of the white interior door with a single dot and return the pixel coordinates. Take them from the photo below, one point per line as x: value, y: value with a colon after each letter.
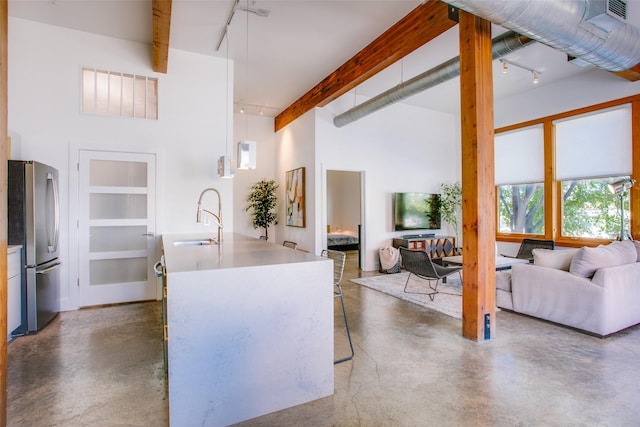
x: 116, y: 227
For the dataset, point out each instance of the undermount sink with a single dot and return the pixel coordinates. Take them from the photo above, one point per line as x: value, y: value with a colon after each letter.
x: 198, y: 242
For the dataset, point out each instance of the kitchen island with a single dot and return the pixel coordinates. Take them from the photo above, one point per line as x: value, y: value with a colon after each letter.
x: 250, y: 328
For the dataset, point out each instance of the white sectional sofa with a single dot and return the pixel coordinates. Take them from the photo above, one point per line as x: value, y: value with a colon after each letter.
x: 596, y: 290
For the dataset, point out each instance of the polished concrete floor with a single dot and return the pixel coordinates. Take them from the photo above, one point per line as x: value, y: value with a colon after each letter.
x: 103, y: 367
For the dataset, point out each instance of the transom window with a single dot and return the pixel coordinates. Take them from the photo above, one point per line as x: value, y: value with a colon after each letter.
x: 119, y: 94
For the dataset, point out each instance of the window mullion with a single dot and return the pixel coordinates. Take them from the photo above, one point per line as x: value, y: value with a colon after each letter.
x: 550, y: 188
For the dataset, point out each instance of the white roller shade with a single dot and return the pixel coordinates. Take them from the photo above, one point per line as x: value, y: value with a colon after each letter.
x: 594, y: 145
x: 519, y: 156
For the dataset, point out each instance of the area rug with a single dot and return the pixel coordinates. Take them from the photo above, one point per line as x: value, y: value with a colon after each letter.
x: 448, y: 301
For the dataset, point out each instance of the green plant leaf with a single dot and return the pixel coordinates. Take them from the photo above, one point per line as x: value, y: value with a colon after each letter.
x: 262, y: 202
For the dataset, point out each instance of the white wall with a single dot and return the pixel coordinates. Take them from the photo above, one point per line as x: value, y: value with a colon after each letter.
x: 343, y: 201
x: 259, y: 129
x: 295, y: 148
x: 403, y: 148
x: 190, y: 134
x: 591, y: 87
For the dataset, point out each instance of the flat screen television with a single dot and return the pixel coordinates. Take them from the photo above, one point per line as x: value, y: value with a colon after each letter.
x: 416, y: 211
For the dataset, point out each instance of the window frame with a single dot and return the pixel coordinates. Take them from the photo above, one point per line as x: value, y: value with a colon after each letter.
x: 553, y: 188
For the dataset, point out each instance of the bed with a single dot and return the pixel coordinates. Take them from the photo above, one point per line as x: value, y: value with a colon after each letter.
x: 342, y: 241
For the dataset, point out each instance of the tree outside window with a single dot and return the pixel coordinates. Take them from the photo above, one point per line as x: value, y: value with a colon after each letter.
x: 521, y: 208
x: 589, y: 209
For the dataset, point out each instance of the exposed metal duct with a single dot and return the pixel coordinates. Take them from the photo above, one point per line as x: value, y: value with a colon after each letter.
x: 502, y: 45
x: 593, y: 31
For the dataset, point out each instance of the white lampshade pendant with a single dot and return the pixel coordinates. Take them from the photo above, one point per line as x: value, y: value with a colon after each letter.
x: 224, y: 167
x: 246, y: 155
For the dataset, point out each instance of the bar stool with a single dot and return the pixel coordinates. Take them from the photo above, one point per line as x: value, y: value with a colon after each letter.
x: 338, y: 268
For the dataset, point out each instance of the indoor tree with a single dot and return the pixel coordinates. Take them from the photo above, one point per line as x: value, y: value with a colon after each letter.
x: 450, y: 204
x: 262, y: 201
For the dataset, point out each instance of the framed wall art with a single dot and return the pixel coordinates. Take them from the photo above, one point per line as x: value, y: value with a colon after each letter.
x: 295, y: 198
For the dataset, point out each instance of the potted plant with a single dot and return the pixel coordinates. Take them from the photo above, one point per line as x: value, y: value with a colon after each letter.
x: 262, y: 201
x: 450, y: 204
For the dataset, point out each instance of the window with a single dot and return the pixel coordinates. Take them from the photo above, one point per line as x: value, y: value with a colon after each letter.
x: 521, y: 208
x: 119, y: 94
x: 592, y: 150
x: 552, y: 175
x: 590, y: 210
x: 519, y: 160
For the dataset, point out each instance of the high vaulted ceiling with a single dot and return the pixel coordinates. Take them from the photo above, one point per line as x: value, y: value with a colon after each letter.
x: 299, y: 44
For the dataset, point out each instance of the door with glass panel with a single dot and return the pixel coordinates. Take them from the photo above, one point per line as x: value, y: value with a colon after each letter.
x: 116, y: 227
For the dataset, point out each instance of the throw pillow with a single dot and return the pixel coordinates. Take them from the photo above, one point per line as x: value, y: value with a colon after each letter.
x: 587, y: 260
x: 558, y: 259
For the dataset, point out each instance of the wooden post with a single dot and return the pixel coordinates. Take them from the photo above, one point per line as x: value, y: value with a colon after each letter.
x: 4, y: 132
x: 478, y: 183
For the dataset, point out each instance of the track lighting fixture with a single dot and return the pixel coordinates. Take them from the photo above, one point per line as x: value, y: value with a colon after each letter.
x: 257, y: 109
x: 505, y: 69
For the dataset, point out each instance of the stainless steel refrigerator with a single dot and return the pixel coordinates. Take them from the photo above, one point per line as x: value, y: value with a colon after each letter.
x: 34, y: 223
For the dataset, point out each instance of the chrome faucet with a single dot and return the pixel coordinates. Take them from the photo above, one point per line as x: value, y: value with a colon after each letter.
x: 217, y: 217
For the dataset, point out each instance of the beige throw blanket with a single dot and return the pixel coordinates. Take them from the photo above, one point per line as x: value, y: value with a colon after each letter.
x: 389, y: 257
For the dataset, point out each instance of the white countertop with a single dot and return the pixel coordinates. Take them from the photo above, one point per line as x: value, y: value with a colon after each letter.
x: 236, y: 251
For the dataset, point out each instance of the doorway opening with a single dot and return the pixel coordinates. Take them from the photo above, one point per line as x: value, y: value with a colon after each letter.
x: 345, y: 230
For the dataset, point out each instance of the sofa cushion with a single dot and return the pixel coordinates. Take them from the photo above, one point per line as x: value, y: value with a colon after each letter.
x: 587, y: 260
x: 559, y: 259
x: 503, y: 280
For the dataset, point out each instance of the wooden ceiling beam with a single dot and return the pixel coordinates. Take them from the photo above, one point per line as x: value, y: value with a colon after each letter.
x: 161, y: 25
x: 632, y: 74
x: 418, y: 27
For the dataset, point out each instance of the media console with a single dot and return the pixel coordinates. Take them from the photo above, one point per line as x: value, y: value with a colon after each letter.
x: 418, y: 236
x: 435, y: 246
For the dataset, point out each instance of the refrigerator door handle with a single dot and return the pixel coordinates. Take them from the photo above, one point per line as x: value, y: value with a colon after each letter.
x: 53, y: 246
x: 49, y: 269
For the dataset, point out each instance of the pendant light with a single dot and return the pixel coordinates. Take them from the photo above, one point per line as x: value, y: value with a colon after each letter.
x: 225, y: 168
x: 246, y: 155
